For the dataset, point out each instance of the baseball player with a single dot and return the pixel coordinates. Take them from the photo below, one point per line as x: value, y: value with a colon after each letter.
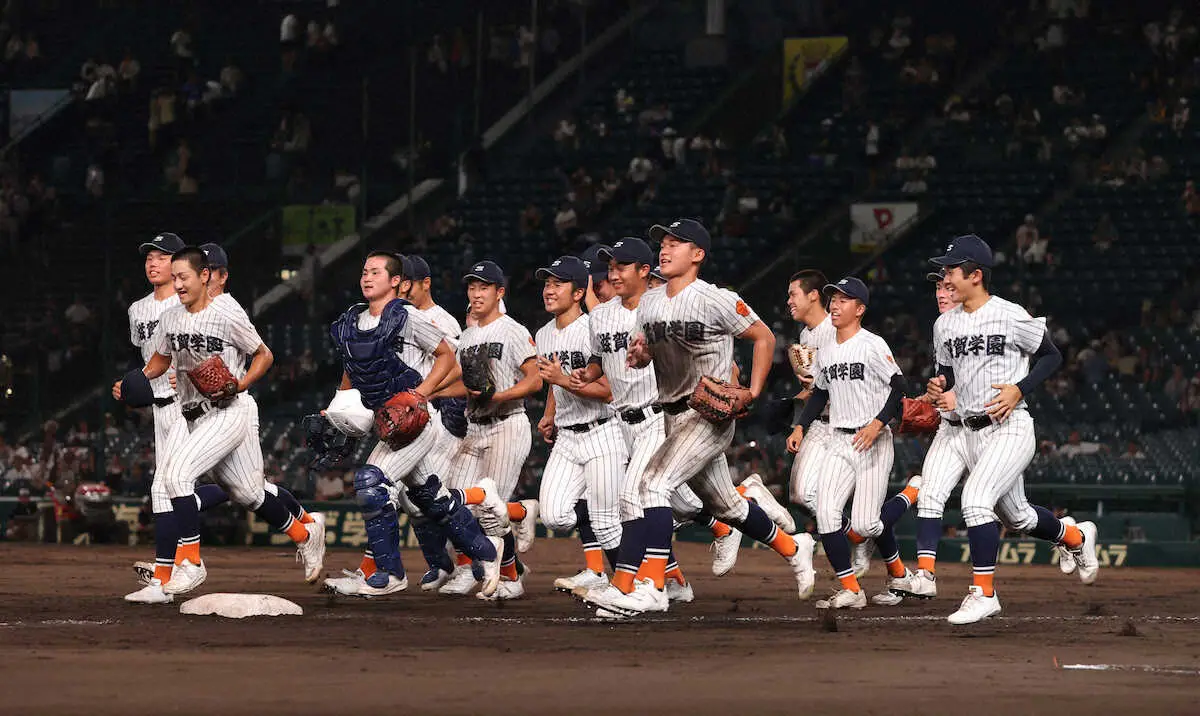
x: 389, y: 348
x: 992, y: 353
x: 656, y: 277
x: 145, y: 316
x: 589, y: 453
x: 807, y: 306
x: 499, y: 436
x: 599, y: 289
x: 215, y: 435
x: 686, y: 331
x: 211, y: 495
x: 856, y: 375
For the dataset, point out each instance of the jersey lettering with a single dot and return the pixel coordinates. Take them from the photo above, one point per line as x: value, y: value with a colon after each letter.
x: 196, y: 342
x: 495, y: 351
x: 962, y: 346
x: 145, y: 329
x: 613, y: 342
x: 659, y: 331
x: 844, y: 371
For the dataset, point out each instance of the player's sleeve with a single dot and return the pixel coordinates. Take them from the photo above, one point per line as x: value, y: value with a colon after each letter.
x: 242, y: 333
x: 819, y: 380
x: 941, y: 351
x: 1027, y: 331
x: 882, y: 362
x: 426, y: 335
x: 162, y: 343
x: 134, y: 338
x: 733, y: 315
x: 520, y: 344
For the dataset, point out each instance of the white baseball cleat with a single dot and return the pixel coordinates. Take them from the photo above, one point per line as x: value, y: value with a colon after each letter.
x: 601, y: 596
x: 434, y: 579
x: 311, y: 552
x: 1085, y: 556
x: 524, y: 530
x: 844, y: 599
x: 586, y: 579
x: 725, y: 552
x: 493, y: 511
x: 347, y: 585
x: 394, y: 584
x: 644, y: 598
x: 891, y: 596
x: 185, y: 577
x: 975, y: 607
x: 862, y: 557
x: 680, y: 593
x: 152, y: 593
x: 921, y: 584
x: 144, y: 572
x: 508, y: 590
x: 462, y: 581
x: 491, y: 571
x: 1066, y: 558
x: 802, y: 564
x: 757, y: 491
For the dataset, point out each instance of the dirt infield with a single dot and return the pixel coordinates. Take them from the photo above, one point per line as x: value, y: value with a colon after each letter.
x: 746, y: 646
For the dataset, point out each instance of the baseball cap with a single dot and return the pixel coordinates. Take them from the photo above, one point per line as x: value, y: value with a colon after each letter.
x: 596, y: 265
x: 486, y: 271
x: 565, y: 268
x: 165, y: 242
x: 420, y: 268
x: 935, y: 276
x: 656, y: 272
x: 963, y: 249
x: 629, y: 250
x: 850, y: 286
x: 684, y: 230
x: 217, y: 258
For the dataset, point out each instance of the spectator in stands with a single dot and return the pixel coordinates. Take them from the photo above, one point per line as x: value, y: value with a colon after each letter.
x: 640, y: 169
x: 114, y: 474
x: 652, y: 120
x: 78, y: 313
x: 566, y: 221
x: 1133, y: 452
x: 181, y: 46
x: 871, y: 142
x: 1076, y: 446
x: 898, y: 43
x: 1105, y: 233
x: 93, y: 182
x: 1027, y: 233
x: 178, y: 162
x: 1158, y: 167
x: 1175, y: 388
x: 22, y: 519
x: 610, y: 184
x: 529, y: 221
x: 435, y: 57
x: 526, y: 44
x: 330, y: 486
x: 300, y: 136
x: 289, y: 41
x: 566, y: 135
x: 915, y: 184
x: 1092, y: 363
x: 18, y: 474
x: 14, y: 49
x: 232, y: 79
x: 1065, y: 96
x: 128, y: 71
x: 1191, y: 199
x: 1181, y: 116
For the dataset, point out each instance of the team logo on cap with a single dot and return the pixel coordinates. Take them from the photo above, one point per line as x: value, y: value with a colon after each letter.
x: 478, y: 268
x: 588, y: 264
x: 556, y: 262
x: 949, y: 248
x: 618, y: 245
x: 675, y: 225
x: 842, y: 282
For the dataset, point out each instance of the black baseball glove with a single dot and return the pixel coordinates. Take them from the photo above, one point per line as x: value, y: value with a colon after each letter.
x: 477, y: 375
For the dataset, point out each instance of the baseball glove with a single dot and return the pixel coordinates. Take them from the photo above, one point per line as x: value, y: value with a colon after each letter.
x: 213, y: 379
x: 477, y: 375
x: 802, y: 360
x: 401, y: 419
x: 718, y: 401
x: 453, y: 417
x: 917, y: 416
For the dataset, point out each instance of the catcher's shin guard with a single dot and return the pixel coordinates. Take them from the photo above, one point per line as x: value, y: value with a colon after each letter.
x: 454, y: 518
x: 432, y: 539
x: 379, y: 514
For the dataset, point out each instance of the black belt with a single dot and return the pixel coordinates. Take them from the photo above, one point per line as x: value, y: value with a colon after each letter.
x: 194, y: 411
x: 977, y: 422
x: 633, y: 416
x: 953, y: 423
x: 163, y: 402
x: 674, y: 408
x: 493, y: 419
x: 584, y: 427
x: 848, y: 431
x: 822, y: 419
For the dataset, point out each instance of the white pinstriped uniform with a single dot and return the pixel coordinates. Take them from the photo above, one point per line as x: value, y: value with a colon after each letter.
x: 690, y: 335
x: 582, y: 465
x: 415, y: 462
x: 224, y: 440
x: 144, y: 319
x: 451, y: 331
x: 991, y: 345
x: 857, y: 373
x: 810, y: 458
x: 612, y: 325
x: 499, y: 447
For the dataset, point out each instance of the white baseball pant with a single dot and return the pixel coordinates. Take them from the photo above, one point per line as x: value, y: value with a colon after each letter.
x: 806, y: 472
x: 845, y: 472
x: 497, y: 450
x: 945, y: 463
x: 588, y: 466
x: 997, y: 457
x: 223, y: 440
x: 693, y: 453
x: 643, y: 440
x: 165, y: 418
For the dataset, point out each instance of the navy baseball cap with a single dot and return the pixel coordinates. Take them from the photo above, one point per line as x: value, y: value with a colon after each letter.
x: 565, y: 268
x: 165, y: 242
x: 629, y: 250
x: 656, y: 272
x: 850, y: 286
x: 217, y: 258
x: 417, y: 269
x: 936, y: 276
x: 684, y: 230
x: 963, y: 249
x: 486, y: 271
x: 597, y: 266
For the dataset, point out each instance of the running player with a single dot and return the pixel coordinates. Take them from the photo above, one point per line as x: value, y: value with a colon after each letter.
x: 215, y: 436
x: 807, y: 306
x: 858, y: 378
x: 389, y: 347
x: 589, y: 453
x: 984, y: 347
x: 499, y: 436
x: 686, y: 332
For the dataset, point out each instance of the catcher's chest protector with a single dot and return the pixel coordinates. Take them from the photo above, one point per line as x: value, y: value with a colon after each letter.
x: 370, y: 356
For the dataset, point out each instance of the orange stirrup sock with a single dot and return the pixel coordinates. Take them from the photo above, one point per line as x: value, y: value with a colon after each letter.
x: 295, y: 529
x: 594, y: 559
x: 367, y: 565
x: 927, y: 564
x: 305, y: 518
x: 162, y: 572
x: 783, y: 543
x: 1072, y: 537
x: 850, y: 582
x: 473, y: 495
x: 895, y: 567
x: 516, y: 511
x: 984, y: 582
x: 854, y: 537
x: 189, y: 550
x: 720, y: 529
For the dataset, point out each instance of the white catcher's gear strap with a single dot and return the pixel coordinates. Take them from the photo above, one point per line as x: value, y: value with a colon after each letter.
x: 347, y: 413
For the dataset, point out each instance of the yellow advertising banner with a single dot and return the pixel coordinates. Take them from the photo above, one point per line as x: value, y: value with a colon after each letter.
x: 805, y: 59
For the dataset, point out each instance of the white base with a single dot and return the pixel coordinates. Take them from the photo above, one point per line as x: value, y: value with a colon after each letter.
x: 238, y: 606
